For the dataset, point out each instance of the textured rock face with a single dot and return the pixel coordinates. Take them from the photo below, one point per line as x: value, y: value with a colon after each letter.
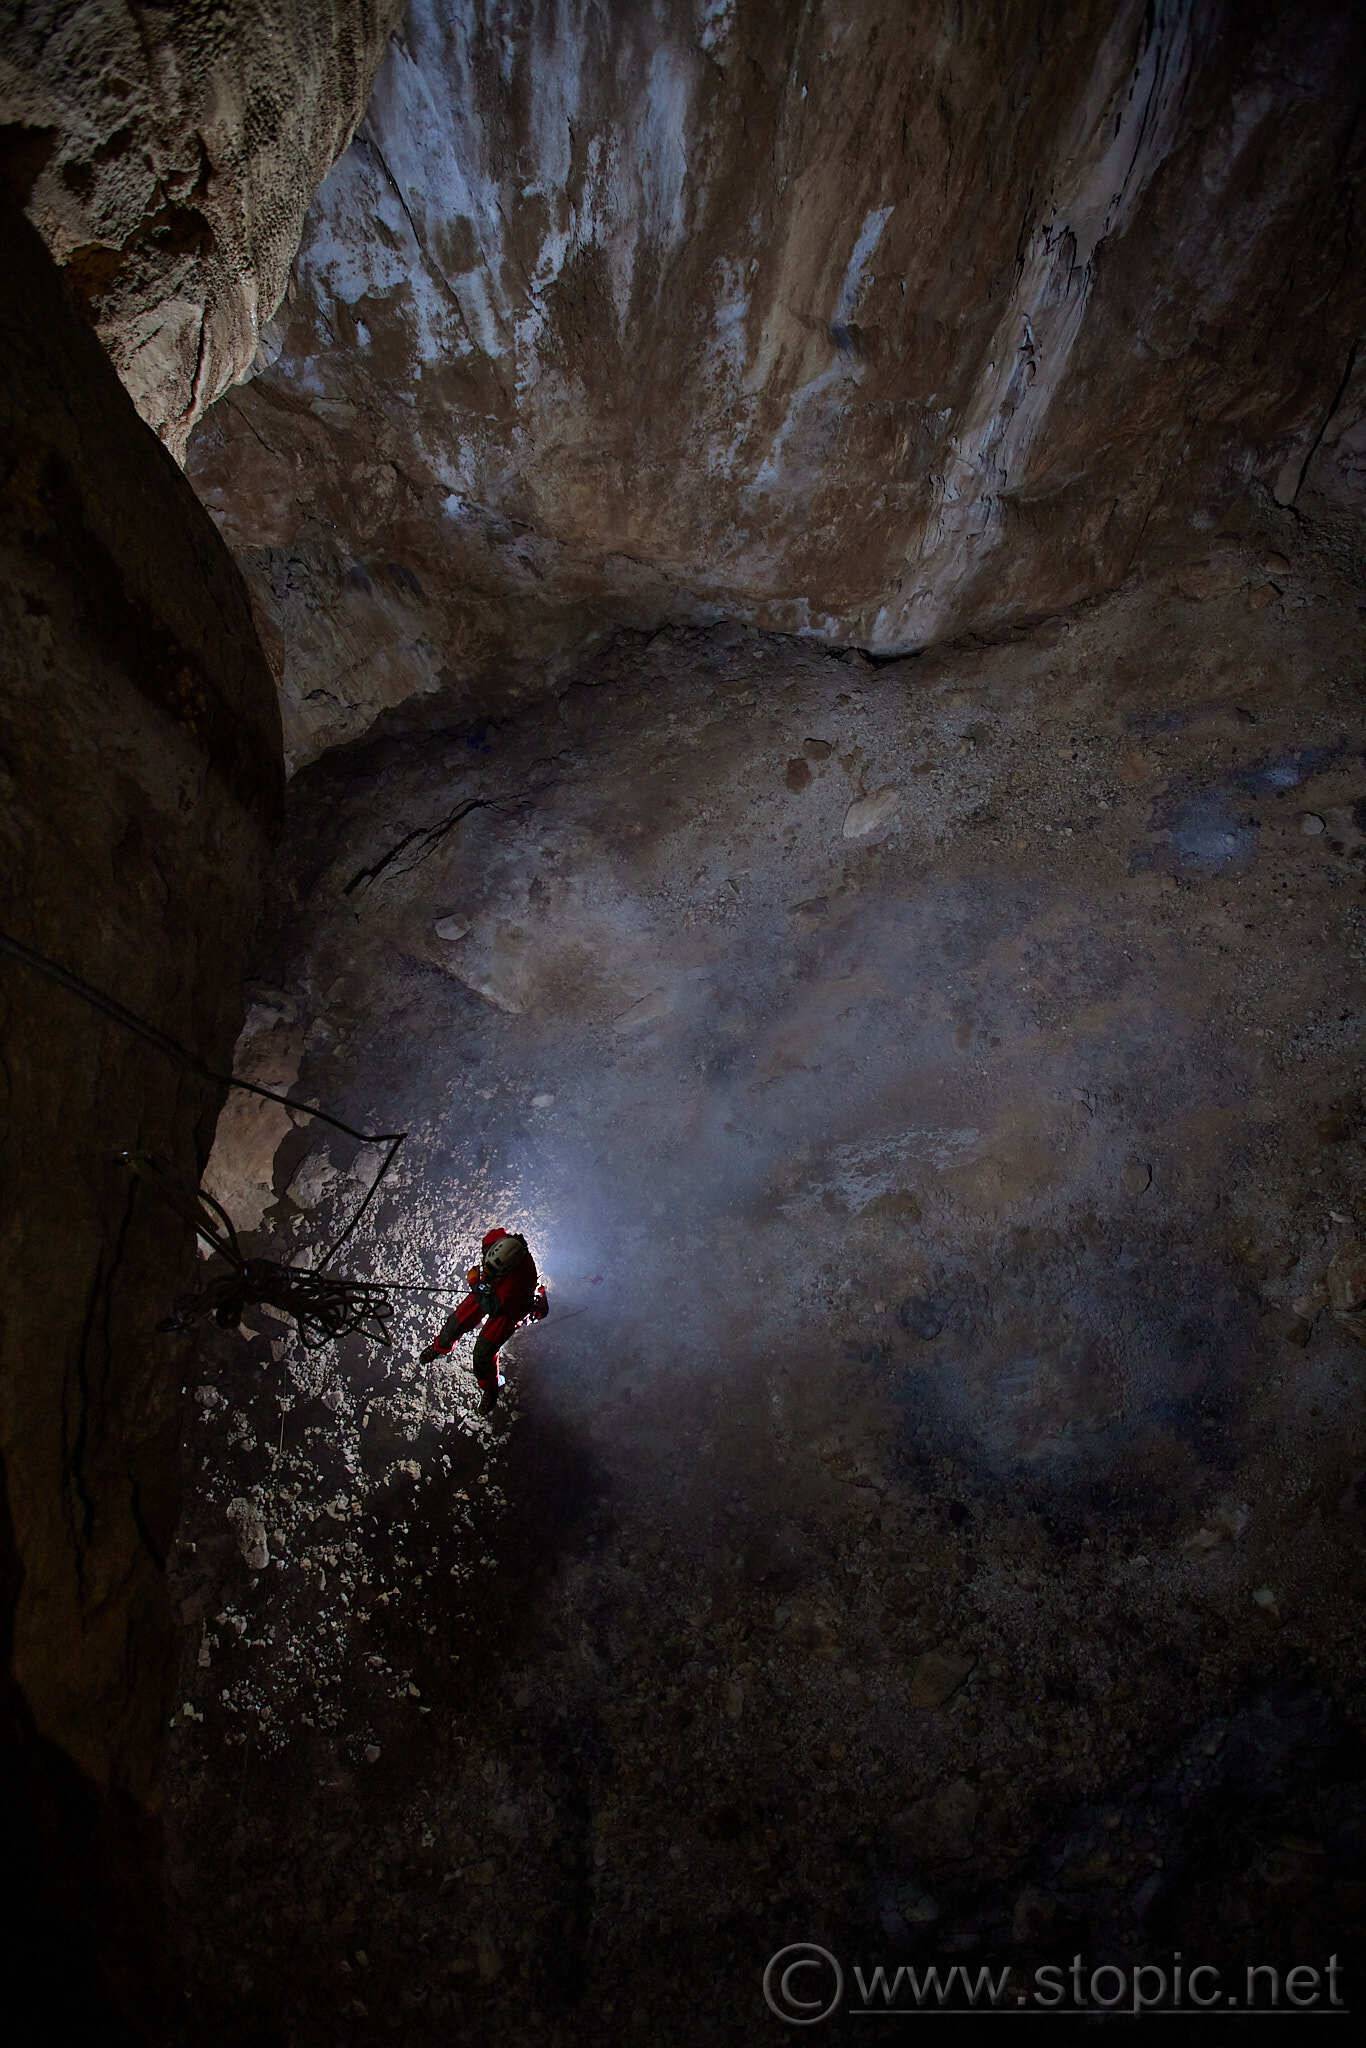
x: 139, y: 766
x: 856, y: 320
x: 1333, y: 474
x: 168, y: 155
x: 944, y: 1430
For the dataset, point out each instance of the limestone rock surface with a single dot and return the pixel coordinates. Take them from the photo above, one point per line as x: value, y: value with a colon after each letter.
x: 888, y: 1509
x: 168, y: 154
x: 853, y: 320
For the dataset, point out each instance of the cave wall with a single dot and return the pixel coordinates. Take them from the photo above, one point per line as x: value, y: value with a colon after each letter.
x: 1330, y: 479
x: 856, y: 320
x: 168, y: 154
x: 140, y: 771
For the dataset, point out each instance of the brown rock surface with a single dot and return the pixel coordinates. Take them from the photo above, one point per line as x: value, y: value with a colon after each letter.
x: 1332, y: 477
x: 1347, y: 1277
x: 139, y: 749
x: 858, y: 321
x: 168, y: 154
x: 863, y: 1365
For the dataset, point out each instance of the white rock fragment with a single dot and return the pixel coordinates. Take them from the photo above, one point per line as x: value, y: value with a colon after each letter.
x: 542, y: 1101
x: 869, y: 813
x: 1232, y: 1517
x: 315, y: 1180
x: 451, y: 929
x: 251, y: 1534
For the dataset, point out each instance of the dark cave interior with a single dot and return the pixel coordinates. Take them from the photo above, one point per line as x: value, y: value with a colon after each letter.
x: 860, y: 863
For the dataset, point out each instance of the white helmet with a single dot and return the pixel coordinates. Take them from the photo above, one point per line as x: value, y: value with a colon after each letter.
x: 501, y: 1257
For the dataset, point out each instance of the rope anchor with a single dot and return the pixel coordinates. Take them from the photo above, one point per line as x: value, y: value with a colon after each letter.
x: 322, y: 1306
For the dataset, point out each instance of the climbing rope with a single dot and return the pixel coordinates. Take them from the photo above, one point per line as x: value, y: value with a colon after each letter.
x: 322, y: 1306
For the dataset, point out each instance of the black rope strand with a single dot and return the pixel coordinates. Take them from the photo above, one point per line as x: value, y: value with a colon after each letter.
x: 174, y: 1050
x: 322, y: 1306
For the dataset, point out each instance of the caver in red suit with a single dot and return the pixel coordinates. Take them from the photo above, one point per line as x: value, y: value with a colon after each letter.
x: 503, y: 1292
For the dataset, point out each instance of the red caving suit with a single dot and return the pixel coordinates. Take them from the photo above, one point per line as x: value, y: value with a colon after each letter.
x: 514, y: 1298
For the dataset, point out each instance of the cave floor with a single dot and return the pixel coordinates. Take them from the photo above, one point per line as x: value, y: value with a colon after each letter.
x: 930, y: 1521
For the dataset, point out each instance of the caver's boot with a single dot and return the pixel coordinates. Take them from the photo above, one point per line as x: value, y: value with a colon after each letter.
x: 488, y: 1399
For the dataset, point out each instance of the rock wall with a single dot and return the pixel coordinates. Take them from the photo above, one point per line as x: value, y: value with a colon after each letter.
x: 139, y: 765
x: 168, y: 155
x: 869, y: 322
x: 1332, y: 476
